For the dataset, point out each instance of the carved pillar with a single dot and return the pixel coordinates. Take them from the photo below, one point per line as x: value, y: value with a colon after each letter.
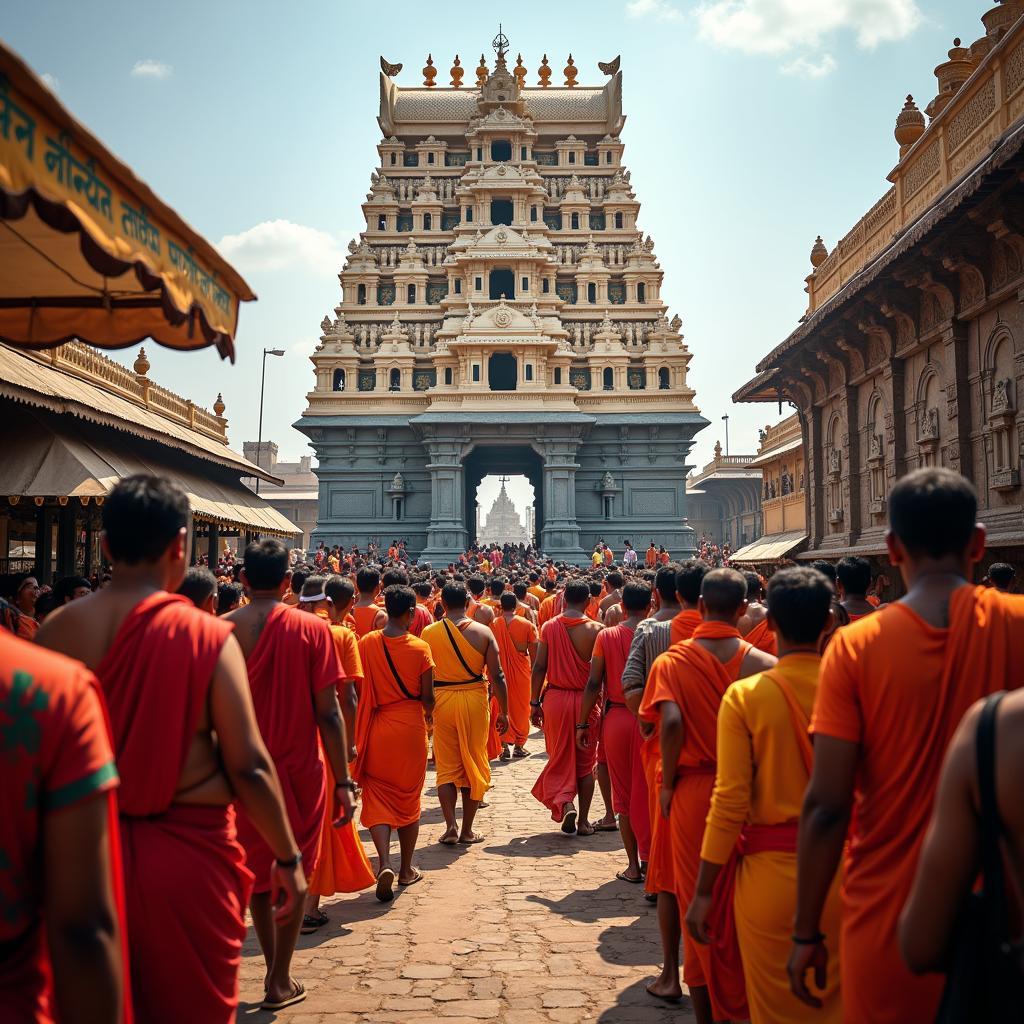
x: 447, y: 536
x: 560, y: 537
x: 958, y: 401
x: 895, y: 426
x: 815, y: 484
x: 853, y: 465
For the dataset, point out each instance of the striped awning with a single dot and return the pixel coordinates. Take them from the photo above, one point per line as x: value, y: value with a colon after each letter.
x: 770, y: 548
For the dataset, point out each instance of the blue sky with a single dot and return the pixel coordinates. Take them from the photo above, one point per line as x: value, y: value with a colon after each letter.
x: 752, y: 126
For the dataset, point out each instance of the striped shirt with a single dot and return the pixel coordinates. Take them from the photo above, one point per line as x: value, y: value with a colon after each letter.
x: 652, y: 637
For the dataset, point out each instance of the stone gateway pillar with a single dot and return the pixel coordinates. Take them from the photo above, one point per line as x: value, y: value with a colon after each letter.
x: 560, y: 538
x: 447, y: 535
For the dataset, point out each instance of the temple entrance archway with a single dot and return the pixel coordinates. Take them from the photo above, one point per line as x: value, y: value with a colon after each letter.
x: 502, y: 460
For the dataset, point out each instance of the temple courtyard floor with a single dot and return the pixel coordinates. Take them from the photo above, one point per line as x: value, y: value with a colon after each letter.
x: 529, y: 926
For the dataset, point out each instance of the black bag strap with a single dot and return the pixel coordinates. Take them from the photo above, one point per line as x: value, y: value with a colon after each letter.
x: 476, y: 676
x: 394, y: 671
x: 990, y: 826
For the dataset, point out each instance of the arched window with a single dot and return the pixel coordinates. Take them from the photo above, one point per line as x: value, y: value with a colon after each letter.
x: 410, y: 294
x: 608, y: 379
x: 663, y: 379
x: 382, y: 223
x: 394, y: 158
x: 574, y: 220
x: 618, y: 218
x: 591, y: 292
x: 339, y: 380
x: 641, y: 292
x: 361, y: 295
x: 447, y: 375
x: 558, y: 375
x: 428, y: 222
x: 395, y: 380
x: 876, y: 450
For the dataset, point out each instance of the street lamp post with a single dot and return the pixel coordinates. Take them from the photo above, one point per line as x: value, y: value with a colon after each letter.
x: 726, y: 418
x: 263, y: 378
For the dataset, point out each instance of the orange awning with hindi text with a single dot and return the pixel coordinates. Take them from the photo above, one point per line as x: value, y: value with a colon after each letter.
x: 87, y: 250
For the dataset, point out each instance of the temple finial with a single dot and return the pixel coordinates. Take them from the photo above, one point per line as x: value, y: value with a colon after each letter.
x: 500, y: 44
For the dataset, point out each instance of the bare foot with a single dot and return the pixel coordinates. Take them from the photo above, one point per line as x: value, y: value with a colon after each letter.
x: 665, y: 988
x: 451, y: 836
x: 471, y: 838
x: 584, y: 828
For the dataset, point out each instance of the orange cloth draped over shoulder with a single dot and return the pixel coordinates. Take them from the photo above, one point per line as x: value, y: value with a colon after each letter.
x: 695, y: 680
x: 593, y: 610
x: 293, y: 660
x: 567, y: 675
x: 70, y: 760
x: 515, y: 664
x: 186, y: 881
x: 898, y: 687
x: 391, y: 731
x: 342, y: 865
x: 550, y: 607
x: 364, y: 618
x: 421, y: 618
x: 659, y: 864
x: 763, y: 638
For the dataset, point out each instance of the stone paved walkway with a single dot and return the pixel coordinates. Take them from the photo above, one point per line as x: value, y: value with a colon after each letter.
x: 530, y: 926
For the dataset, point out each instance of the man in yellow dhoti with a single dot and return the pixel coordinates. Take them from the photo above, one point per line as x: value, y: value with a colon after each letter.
x: 462, y: 649
x: 746, y: 887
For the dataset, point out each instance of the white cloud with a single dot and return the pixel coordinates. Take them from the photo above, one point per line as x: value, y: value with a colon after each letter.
x: 52, y: 82
x: 781, y: 26
x: 281, y: 245
x: 803, y: 67
x: 660, y: 9
x: 151, y: 69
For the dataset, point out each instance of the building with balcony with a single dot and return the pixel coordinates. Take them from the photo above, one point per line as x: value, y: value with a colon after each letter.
x: 911, y: 352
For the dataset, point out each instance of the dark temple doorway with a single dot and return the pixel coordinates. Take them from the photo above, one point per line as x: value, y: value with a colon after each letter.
x: 503, y: 460
x: 502, y: 372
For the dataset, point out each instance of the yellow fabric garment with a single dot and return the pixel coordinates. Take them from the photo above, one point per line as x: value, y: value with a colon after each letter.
x: 462, y: 713
x: 761, y: 779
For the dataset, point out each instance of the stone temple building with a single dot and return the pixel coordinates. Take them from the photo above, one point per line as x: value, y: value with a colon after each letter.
x: 912, y: 349
x: 501, y: 313
x: 503, y: 524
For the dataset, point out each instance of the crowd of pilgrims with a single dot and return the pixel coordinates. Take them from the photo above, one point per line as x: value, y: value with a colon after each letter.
x: 805, y: 780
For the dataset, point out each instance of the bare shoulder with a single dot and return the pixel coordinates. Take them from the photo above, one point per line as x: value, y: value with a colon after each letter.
x: 757, y: 661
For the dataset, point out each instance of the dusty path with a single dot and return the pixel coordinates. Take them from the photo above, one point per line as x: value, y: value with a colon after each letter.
x: 530, y: 926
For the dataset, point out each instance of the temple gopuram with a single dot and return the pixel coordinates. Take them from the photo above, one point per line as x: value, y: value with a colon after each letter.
x: 911, y: 352
x: 503, y: 524
x: 501, y: 313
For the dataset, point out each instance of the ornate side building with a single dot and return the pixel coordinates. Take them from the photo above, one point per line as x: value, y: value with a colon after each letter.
x: 501, y: 313
x: 912, y: 349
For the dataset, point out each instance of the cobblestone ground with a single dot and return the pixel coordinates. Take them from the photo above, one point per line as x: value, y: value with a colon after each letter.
x: 530, y: 926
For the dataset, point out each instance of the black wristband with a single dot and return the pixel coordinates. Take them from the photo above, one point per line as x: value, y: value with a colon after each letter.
x: 535, y: 703
x: 814, y: 941
x: 580, y: 726
x: 291, y: 862
x: 348, y: 784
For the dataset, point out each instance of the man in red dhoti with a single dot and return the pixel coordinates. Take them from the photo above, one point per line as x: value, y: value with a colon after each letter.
x: 293, y: 673
x: 61, y: 876
x: 682, y: 697
x: 563, y: 655
x: 173, y: 677
x: 620, y: 731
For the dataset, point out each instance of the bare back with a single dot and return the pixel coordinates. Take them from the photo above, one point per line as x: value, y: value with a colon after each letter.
x: 583, y: 634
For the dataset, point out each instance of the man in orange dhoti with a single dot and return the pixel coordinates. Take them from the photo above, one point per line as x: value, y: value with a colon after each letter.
x: 342, y: 864
x: 461, y: 649
x: 366, y: 609
x: 894, y: 687
x: 620, y: 731
x: 678, y: 595
x: 853, y: 577
x: 391, y: 737
x: 60, y: 876
x: 293, y: 672
x: 753, y: 626
x: 563, y: 655
x: 186, y: 883
x: 744, y: 904
x: 517, y: 646
x: 682, y: 697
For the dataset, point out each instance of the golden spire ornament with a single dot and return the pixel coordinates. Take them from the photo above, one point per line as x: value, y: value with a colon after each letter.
x: 520, y: 72
x: 429, y: 73
x: 544, y: 72
x: 570, y: 72
x: 481, y: 72
x: 457, y: 72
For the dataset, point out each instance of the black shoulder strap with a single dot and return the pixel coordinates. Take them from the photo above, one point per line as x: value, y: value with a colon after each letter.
x: 394, y: 671
x: 476, y: 677
x: 991, y: 856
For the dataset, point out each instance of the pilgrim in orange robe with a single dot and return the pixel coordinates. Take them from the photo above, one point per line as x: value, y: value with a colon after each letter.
x: 342, y: 865
x: 515, y: 664
x: 391, y: 731
x: 293, y: 660
x: 364, y: 617
x: 620, y: 738
x: 550, y: 607
x: 186, y: 881
x: 762, y: 638
x: 567, y: 675
x: 660, y: 875
x: 695, y: 680
x: 64, y: 761
x: 898, y: 687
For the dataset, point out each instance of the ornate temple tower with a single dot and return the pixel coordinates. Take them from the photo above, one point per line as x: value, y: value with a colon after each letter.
x: 503, y: 523
x: 501, y: 313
